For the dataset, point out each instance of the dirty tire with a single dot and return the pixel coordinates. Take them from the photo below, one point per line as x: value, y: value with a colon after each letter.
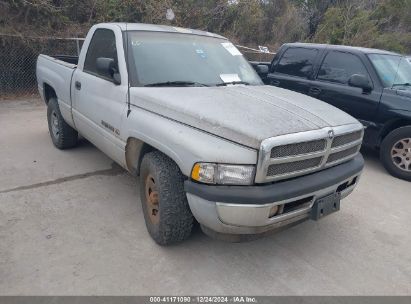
x: 386, y: 148
x: 173, y: 220
x: 62, y: 135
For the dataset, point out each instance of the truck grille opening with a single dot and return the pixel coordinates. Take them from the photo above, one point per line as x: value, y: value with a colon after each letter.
x: 347, y: 184
x: 313, y: 150
x: 298, y: 204
x: 298, y: 148
x: 346, y: 139
x: 293, y: 206
x: 342, y: 154
x: 278, y: 169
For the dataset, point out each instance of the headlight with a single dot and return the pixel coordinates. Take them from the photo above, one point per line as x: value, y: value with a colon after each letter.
x: 223, y: 174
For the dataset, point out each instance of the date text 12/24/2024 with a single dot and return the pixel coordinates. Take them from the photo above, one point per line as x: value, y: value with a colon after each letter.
x: 203, y: 299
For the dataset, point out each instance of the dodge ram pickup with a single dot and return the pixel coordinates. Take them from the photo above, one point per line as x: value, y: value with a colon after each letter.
x: 184, y: 110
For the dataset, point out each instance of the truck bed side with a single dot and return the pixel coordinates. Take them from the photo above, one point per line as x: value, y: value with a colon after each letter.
x: 56, y: 74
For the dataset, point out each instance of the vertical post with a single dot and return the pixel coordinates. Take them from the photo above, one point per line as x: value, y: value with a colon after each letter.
x: 78, y: 46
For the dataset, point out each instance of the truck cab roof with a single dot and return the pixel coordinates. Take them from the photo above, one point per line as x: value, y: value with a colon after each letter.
x: 342, y: 48
x: 158, y: 28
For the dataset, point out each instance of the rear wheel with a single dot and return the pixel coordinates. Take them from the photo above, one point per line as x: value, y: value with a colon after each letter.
x: 395, y: 153
x: 166, y: 212
x: 62, y: 135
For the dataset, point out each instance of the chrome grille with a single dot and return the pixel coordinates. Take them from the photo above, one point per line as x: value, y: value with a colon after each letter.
x: 301, y: 153
x: 342, y: 154
x: 298, y: 148
x: 284, y: 168
x: 346, y: 138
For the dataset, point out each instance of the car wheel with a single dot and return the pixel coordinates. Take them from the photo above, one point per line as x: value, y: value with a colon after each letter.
x: 166, y: 211
x: 395, y: 153
x: 62, y: 135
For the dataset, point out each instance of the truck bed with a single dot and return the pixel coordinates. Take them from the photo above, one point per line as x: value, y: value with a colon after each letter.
x: 67, y: 58
x: 57, y: 72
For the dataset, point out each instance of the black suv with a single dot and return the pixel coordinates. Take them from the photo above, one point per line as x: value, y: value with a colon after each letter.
x: 372, y: 85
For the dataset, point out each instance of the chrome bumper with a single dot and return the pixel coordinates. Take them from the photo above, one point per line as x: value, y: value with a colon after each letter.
x: 222, y: 210
x: 231, y: 218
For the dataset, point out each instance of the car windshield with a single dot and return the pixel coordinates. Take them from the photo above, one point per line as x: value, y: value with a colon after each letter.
x: 178, y: 59
x: 394, y: 70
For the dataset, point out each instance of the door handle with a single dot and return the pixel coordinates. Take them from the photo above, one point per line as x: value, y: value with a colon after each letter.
x: 315, y: 91
x: 275, y: 82
x: 77, y: 84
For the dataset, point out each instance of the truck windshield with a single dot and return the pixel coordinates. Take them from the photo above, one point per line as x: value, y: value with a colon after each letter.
x: 394, y: 70
x: 177, y: 59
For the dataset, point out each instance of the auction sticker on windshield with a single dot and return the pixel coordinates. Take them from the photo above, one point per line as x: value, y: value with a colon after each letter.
x: 231, y: 49
x: 230, y: 77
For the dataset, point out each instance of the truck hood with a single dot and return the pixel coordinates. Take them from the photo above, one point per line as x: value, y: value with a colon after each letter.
x: 243, y: 114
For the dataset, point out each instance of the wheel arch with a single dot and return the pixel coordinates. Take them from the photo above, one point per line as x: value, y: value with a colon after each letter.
x: 49, y: 92
x: 135, y: 151
x: 391, y: 126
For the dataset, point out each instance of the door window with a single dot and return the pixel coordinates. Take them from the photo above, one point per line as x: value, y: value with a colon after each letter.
x: 297, y: 62
x: 103, y: 44
x: 339, y: 67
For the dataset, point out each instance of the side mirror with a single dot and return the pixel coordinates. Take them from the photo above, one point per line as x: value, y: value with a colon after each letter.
x: 262, y: 69
x: 107, y: 66
x: 360, y: 81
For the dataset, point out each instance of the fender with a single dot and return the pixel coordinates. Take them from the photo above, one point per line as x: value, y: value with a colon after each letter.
x: 185, y: 145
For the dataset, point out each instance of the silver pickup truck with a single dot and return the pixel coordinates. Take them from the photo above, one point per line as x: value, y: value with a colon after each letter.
x: 184, y: 111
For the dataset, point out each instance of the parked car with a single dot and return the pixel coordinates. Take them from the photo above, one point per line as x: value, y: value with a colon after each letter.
x: 186, y: 112
x: 372, y: 85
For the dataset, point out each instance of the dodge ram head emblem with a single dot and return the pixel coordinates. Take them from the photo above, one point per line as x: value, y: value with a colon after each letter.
x: 331, y: 134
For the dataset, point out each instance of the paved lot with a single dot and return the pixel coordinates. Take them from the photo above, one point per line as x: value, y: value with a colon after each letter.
x: 71, y: 224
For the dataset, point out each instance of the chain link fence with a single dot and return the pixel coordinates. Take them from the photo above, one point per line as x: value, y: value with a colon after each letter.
x: 254, y: 54
x: 18, y: 56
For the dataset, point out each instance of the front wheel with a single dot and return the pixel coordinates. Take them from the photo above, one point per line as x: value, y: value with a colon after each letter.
x: 395, y: 153
x: 166, y: 212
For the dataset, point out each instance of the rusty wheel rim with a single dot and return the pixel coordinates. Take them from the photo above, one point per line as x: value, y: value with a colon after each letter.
x: 401, y: 154
x: 152, y: 199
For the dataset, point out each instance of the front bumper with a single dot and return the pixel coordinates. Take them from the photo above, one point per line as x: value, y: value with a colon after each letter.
x: 246, y: 209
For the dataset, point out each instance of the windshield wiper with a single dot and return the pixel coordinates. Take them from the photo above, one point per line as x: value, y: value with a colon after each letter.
x: 231, y: 82
x: 407, y: 84
x: 179, y: 83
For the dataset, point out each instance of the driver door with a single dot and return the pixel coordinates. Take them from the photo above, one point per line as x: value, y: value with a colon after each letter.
x: 99, y: 105
x: 331, y: 85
